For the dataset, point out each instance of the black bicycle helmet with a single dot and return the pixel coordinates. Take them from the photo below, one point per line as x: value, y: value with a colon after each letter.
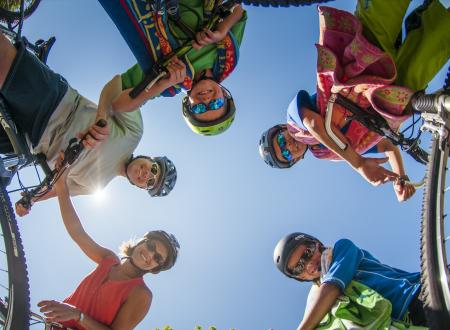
x: 267, y: 151
x: 286, y: 246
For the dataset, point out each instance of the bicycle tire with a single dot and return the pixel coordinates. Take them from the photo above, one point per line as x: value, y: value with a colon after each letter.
x: 435, y: 274
x: 10, y: 9
x: 15, y: 306
x: 282, y: 3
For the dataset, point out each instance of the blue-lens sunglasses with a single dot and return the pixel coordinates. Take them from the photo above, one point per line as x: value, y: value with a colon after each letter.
x: 281, y: 140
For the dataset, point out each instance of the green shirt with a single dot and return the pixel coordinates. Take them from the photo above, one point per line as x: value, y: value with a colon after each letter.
x: 202, y: 59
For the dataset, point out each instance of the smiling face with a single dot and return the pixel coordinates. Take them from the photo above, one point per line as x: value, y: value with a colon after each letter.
x: 149, y: 255
x: 308, y: 258
x: 297, y: 149
x: 143, y: 172
x: 205, y: 91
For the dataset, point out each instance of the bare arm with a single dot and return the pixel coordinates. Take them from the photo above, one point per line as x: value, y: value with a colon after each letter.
x: 403, y: 190
x: 369, y: 168
x: 122, y: 102
x: 130, y: 313
x: 324, y: 301
x: 74, y: 227
x: 134, y: 309
x: 207, y: 36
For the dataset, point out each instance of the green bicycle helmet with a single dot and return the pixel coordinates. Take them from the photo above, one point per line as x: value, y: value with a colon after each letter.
x: 214, y: 127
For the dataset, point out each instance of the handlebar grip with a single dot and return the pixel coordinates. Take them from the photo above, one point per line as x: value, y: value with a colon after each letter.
x: 424, y: 103
x: 148, y: 78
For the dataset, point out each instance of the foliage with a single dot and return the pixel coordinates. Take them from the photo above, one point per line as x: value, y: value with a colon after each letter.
x: 11, y: 4
x: 198, y: 327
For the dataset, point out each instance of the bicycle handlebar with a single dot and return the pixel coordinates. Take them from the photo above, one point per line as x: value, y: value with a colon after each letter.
x: 431, y: 103
x: 159, y: 68
x: 70, y: 155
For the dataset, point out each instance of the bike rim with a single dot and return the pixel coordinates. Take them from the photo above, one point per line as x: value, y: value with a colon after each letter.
x: 435, y: 244
x: 442, y: 230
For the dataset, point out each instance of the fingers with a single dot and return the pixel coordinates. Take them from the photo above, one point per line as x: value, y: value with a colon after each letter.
x: 177, y: 70
x: 56, y: 311
x: 59, y: 161
x: 403, y: 191
x: 204, y: 38
x: 381, y: 160
x: 21, y: 210
x: 94, y: 136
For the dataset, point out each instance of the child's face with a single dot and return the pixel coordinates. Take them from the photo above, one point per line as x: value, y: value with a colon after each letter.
x: 304, y: 262
x: 289, y: 146
x: 204, y: 92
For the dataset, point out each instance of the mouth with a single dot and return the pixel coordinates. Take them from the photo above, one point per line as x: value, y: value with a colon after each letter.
x: 206, y: 91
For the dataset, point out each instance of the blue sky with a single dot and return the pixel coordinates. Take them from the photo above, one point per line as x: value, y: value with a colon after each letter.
x: 228, y: 209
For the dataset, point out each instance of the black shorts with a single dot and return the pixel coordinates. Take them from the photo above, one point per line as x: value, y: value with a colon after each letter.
x: 31, y: 92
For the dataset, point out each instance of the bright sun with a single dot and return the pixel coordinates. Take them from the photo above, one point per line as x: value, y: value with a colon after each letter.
x: 99, y: 195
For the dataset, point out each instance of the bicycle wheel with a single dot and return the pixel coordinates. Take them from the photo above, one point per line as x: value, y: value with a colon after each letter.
x: 10, y: 9
x: 282, y: 3
x: 14, y: 289
x: 434, y: 243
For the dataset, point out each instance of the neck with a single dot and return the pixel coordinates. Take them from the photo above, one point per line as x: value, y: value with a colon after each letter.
x: 128, y: 270
x: 205, y: 73
x: 122, y: 170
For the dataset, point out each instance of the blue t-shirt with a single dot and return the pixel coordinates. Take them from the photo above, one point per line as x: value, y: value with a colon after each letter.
x: 352, y: 263
x: 294, y: 114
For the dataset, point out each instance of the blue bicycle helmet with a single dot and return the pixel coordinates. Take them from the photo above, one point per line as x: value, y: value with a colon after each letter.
x: 167, y: 179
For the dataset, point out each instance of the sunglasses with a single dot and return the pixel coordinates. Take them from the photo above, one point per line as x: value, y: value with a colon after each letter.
x: 304, y: 258
x: 212, y: 105
x: 152, y: 181
x: 281, y: 140
x: 157, y: 257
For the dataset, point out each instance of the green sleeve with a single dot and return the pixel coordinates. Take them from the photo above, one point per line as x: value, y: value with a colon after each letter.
x: 132, y: 77
x: 200, y: 59
x: 239, y: 27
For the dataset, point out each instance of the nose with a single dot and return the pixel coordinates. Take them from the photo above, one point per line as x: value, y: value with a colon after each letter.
x: 145, y: 173
x: 205, y: 98
x: 310, y: 267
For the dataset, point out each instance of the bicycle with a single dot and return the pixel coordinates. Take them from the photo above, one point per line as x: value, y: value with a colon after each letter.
x: 219, y: 12
x: 14, y: 288
x: 435, y: 112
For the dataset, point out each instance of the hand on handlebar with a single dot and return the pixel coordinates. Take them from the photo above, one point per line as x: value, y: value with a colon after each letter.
x: 176, y: 73
x: 56, y: 311
x: 60, y: 184
x: 21, y: 210
x: 371, y: 170
x: 403, y: 189
x: 207, y: 37
x: 94, y: 135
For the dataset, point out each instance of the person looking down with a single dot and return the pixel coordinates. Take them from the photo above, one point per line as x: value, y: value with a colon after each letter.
x: 208, y: 108
x: 113, y: 295
x: 51, y: 113
x: 333, y: 271
x: 359, y: 58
